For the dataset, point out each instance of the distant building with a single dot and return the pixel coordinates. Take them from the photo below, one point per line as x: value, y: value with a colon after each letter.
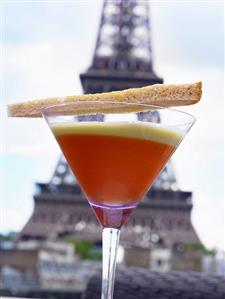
x: 214, y: 264
x: 37, y: 267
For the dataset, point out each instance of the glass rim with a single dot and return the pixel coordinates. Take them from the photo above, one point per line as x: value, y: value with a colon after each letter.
x: 44, y: 110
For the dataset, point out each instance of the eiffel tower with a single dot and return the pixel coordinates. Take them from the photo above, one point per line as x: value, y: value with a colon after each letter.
x: 122, y: 59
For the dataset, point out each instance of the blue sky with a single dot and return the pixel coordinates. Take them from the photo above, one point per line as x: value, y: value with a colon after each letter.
x: 47, y: 45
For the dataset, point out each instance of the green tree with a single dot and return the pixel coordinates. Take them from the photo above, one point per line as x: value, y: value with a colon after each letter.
x: 84, y: 248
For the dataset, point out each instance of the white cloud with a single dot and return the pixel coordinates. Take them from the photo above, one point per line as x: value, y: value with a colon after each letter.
x: 14, y: 221
x: 189, y: 34
x: 41, y: 70
x: 208, y: 219
x: 32, y: 137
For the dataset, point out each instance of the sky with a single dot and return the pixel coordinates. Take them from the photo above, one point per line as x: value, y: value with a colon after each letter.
x: 45, y: 48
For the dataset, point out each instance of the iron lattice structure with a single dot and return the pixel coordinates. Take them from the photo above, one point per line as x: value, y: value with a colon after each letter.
x: 123, y: 54
x: 122, y: 59
x: 123, y: 42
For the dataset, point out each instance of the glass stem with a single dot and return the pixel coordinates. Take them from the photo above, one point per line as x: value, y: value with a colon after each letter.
x: 110, y: 241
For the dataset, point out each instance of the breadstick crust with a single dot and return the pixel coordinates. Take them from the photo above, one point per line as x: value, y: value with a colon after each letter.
x: 164, y: 95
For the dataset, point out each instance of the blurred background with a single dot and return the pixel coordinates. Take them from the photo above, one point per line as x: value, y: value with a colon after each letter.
x: 50, y: 240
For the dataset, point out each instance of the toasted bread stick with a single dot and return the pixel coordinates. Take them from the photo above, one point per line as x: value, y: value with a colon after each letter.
x: 159, y: 94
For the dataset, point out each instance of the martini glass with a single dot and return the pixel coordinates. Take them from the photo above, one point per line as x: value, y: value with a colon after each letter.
x: 116, y: 151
